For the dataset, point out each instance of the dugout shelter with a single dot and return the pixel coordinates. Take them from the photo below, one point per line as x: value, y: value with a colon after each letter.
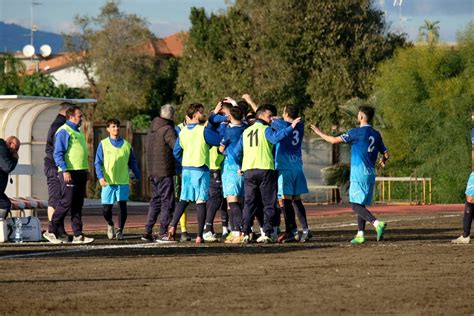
x: 29, y: 119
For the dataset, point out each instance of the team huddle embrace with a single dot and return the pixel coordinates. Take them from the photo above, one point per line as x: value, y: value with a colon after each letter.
x: 243, y: 160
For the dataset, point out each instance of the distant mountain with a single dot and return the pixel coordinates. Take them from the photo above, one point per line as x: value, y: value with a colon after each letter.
x: 14, y: 37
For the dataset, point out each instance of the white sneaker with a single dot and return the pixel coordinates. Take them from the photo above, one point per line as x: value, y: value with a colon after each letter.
x: 110, y: 231
x: 81, y: 239
x: 51, y: 238
x: 209, y: 237
x: 462, y: 240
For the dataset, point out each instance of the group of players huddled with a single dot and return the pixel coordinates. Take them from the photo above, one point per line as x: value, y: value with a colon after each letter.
x: 246, y: 161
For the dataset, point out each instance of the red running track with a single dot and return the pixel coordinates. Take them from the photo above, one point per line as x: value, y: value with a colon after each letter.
x: 93, y: 220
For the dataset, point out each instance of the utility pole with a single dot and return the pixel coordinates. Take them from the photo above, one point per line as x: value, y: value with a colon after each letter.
x: 33, y: 28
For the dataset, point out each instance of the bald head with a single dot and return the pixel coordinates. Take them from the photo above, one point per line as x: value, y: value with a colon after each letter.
x: 13, y: 144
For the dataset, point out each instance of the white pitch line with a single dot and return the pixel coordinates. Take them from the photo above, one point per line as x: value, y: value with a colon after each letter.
x: 92, y: 248
x: 175, y: 245
x: 390, y: 221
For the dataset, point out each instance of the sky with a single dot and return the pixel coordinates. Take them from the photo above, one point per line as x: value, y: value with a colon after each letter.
x: 166, y: 17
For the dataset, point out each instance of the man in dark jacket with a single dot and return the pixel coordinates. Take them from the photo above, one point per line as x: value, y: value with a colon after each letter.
x: 161, y: 169
x: 8, y: 161
x: 51, y: 170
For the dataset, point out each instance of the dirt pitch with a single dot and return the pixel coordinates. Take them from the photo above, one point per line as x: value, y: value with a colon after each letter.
x: 414, y: 271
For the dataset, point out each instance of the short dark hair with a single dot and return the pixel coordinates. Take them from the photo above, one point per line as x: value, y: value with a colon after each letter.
x: 236, y: 113
x: 244, y: 106
x: 292, y: 111
x: 368, y: 111
x: 112, y: 121
x: 263, y: 108
x: 71, y: 110
x: 193, y: 108
x: 272, y: 108
x: 227, y: 105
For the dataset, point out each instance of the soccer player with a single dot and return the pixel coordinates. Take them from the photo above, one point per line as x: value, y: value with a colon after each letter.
x: 217, y: 121
x: 179, y: 169
x: 232, y: 180
x: 465, y: 238
x: 192, y: 148
x: 366, y: 144
x: 256, y: 149
x: 113, y: 159
x: 71, y: 156
x: 291, y: 179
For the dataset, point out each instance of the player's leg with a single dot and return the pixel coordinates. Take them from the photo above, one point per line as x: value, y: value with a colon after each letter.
x: 285, y: 201
x: 465, y: 238
x: 154, y: 209
x: 186, y: 195
x: 360, y: 195
x: 184, y: 218
x: 213, y: 204
x: 202, y: 196
x: 250, y: 203
x: 268, y: 189
x: 300, y: 186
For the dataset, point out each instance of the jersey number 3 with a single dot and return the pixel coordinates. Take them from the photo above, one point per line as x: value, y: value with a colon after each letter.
x: 296, y: 138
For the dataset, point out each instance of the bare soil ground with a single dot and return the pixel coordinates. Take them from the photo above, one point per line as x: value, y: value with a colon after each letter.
x: 414, y: 271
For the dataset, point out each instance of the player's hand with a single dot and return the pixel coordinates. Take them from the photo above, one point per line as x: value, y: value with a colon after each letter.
x: 230, y: 100
x: 314, y: 128
x: 383, y: 160
x: 295, y: 122
x: 240, y: 172
x: 102, y: 182
x: 67, y: 177
x: 218, y: 107
x: 134, y: 180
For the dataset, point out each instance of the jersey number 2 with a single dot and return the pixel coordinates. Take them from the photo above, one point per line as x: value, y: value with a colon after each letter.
x: 371, y: 145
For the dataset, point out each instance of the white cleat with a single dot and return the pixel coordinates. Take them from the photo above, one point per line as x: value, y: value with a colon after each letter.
x: 110, y: 231
x: 462, y: 240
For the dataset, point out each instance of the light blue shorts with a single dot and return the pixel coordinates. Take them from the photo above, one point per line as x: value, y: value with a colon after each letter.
x: 470, y: 185
x: 291, y: 182
x: 232, y: 182
x: 361, y: 193
x: 195, y: 185
x: 114, y: 193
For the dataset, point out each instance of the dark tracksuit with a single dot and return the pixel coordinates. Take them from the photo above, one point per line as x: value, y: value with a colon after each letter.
x: 73, y: 193
x: 161, y: 169
x: 50, y: 168
x: 7, y: 163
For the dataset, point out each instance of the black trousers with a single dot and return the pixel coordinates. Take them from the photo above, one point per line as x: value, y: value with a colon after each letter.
x: 263, y: 182
x: 162, y: 201
x: 72, y: 200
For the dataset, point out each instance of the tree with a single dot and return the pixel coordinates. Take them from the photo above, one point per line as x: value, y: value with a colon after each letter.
x: 315, y: 54
x: 429, y: 32
x: 118, y: 48
x: 11, y: 72
x: 426, y: 99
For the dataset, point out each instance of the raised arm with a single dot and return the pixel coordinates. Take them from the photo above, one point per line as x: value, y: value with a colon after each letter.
x: 326, y: 137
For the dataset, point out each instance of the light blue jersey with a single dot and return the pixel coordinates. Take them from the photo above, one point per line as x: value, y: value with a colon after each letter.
x: 470, y: 185
x: 288, y: 151
x: 366, y: 144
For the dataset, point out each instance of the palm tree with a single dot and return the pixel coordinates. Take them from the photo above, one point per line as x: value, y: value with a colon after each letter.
x: 429, y: 32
